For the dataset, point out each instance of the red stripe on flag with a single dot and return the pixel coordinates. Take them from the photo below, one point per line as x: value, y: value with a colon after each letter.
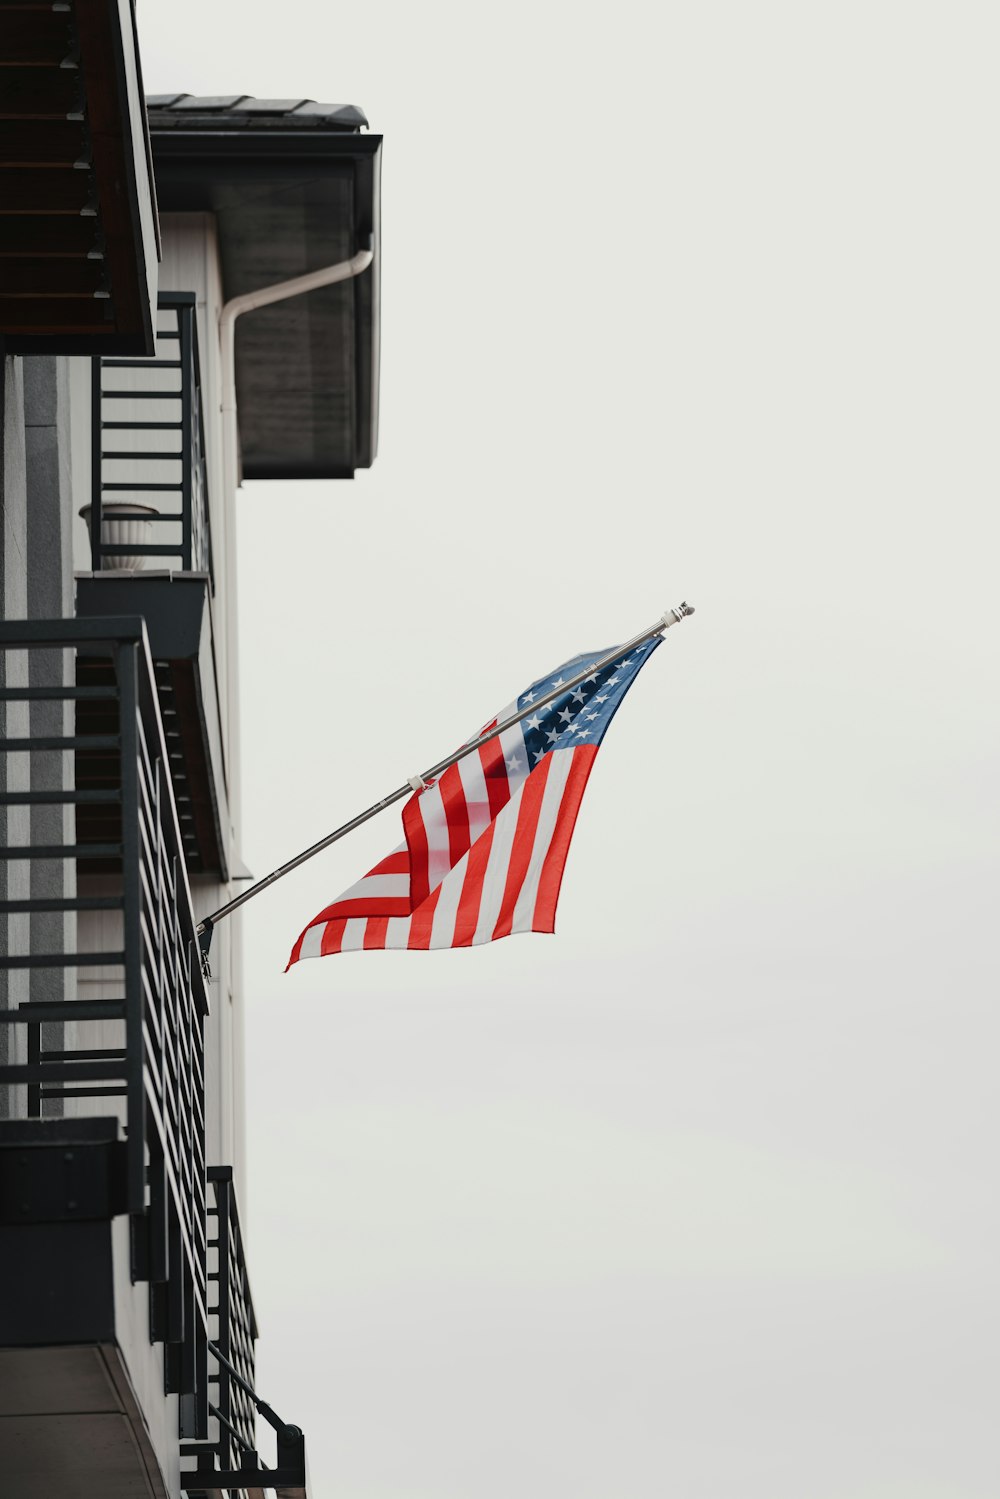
x: 467, y: 914
x: 394, y: 863
x: 419, y: 855
x: 333, y: 935
x: 550, y: 879
x: 422, y: 921
x: 366, y: 905
x: 524, y: 840
x: 296, y: 952
x: 495, y: 771
x: 456, y: 813
x: 375, y: 929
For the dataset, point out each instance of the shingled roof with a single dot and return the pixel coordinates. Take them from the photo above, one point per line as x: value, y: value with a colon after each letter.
x: 241, y: 112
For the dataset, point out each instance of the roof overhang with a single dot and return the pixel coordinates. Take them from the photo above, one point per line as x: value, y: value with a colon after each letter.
x: 289, y: 197
x: 78, y: 231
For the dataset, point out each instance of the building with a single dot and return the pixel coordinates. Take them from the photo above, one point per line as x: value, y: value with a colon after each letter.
x: 153, y: 354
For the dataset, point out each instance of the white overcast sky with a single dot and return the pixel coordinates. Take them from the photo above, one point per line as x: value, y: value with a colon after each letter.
x: 698, y: 1197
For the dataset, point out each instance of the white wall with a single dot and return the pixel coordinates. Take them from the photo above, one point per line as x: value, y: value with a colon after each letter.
x: 191, y: 263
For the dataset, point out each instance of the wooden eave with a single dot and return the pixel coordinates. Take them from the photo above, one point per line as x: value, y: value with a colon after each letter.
x: 78, y: 233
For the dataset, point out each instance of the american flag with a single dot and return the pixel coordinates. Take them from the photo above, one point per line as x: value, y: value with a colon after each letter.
x: 486, y: 844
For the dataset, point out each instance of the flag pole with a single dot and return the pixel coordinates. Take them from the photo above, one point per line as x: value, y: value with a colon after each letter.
x: 416, y: 783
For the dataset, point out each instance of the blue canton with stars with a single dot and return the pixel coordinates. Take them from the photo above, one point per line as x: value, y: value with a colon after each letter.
x: 582, y: 715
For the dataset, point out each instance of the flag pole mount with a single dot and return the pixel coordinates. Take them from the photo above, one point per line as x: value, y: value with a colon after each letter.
x: 206, y: 927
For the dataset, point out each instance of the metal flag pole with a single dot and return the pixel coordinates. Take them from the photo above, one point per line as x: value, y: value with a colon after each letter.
x: 416, y: 783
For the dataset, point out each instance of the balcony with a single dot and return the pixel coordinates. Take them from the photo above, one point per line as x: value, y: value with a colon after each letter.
x: 157, y: 449
x: 229, y: 1460
x: 151, y: 555
x: 103, y: 1210
x: 127, y: 1354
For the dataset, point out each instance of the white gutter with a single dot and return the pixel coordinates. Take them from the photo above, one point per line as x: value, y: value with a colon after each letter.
x: 344, y: 270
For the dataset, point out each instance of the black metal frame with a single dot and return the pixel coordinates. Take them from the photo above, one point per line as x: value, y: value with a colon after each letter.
x: 231, y: 1461
x: 236, y: 1332
x: 158, y: 1072
x: 194, y: 550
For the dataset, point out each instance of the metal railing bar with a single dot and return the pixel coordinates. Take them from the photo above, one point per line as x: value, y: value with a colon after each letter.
x: 261, y: 1405
x: 62, y: 960
x: 62, y: 851
x: 185, y: 326
x: 62, y: 903
x: 95, y: 466
x: 65, y: 742
x: 140, y: 395
x: 54, y: 1072
x: 130, y: 453
x: 140, y: 426
x: 152, y: 1018
x: 87, y: 798
x: 110, y: 1092
x: 93, y: 634
x: 140, y: 488
x: 127, y: 671
x: 149, y: 550
x: 224, y: 1421
x: 55, y: 694
x: 34, y: 1011
x: 94, y: 1054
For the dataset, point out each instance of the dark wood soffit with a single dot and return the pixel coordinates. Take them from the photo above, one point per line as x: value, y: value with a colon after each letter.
x: 75, y: 213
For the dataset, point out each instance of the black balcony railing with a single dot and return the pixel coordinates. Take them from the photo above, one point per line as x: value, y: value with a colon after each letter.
x: 93, y: 848
x: 233, y: 1330
x: 149, y: 488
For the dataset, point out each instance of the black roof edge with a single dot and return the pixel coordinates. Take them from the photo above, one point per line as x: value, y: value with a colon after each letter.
x: 226, y: 143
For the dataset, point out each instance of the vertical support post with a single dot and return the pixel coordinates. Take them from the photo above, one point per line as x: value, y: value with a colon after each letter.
x: 185, y: 328
x: 34, y: 1056
x: 201, y: 1412
x: 223, y: 1340
x: 127, y: 674
x: 96, y: 470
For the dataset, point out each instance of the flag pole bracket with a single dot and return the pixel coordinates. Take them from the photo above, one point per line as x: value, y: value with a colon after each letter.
x: 205, y: 930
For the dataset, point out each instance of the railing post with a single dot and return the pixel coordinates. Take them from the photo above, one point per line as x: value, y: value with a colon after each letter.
x: 224, y: 1340
x: 96, y: 469
x: 127, y: 672
x: 185, y: 327
x: 34, y: 1056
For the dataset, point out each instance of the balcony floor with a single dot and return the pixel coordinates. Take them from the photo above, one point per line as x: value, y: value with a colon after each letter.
x: 70, y: 1426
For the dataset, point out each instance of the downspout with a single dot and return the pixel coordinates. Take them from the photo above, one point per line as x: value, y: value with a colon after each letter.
x: 344, y: 270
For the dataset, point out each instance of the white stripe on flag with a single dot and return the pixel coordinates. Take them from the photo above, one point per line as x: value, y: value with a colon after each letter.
x: 375, y: 885
x: 354, y: 934
x: 559, y: 769
x: 431, y: 809
x: 476, y: 799
x: 443, y: 925
x: 397, y: 931
x: 312, y: 941
x: 497, y: 866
